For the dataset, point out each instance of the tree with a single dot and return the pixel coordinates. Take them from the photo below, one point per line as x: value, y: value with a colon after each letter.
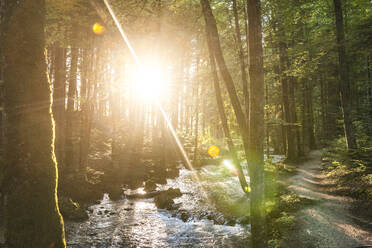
x: 223, y: 118
x: 33, y: 217
x: 253, y: 151
x: 345, y: 89
x: 256, y: 124
x: 59, y: 95
x: 241, y: 60
x: 69, y: 144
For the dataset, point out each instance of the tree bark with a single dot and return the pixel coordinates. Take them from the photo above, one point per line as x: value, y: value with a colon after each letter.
x: 69, y: 145
x: 323, y: 107
x: 223, y: 118
x: 288, y: 100
x: 256, y: 124
x: 229, y: 83
x: 59, y: 97
x: 345, y: 90
x: 369, y: 94
x: 87, y: 109
x: 310, y: 114
x: 34, y: 219
x: 242, y: 62
x: 196, y: 93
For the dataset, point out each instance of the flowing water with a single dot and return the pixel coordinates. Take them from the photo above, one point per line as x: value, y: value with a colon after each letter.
x: 138, y: 223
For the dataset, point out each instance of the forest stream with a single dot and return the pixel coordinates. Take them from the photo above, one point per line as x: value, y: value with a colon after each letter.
x: 196, y: 222
x: 159, y: 123
x: 138, y: 223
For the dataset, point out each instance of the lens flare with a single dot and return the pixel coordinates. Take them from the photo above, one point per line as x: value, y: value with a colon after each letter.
x: 213, y: 151
x: 98, y: 29
x: 229, y: 165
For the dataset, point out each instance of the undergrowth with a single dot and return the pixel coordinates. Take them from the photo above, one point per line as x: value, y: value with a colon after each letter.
x: 350, y: 172
x: 281, y: 204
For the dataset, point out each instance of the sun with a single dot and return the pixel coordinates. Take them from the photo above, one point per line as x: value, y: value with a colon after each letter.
x: 150, y: 81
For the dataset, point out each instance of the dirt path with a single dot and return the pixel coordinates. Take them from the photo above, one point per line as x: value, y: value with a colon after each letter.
x: 328, y: 222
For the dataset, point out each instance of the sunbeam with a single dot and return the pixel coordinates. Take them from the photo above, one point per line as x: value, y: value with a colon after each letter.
x: 158, y: 80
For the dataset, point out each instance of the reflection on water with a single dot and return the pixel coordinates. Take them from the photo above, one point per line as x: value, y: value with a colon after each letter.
x: 138, y: 223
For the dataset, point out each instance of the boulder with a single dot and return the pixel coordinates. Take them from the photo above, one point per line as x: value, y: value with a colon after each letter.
x: 115, y: 193
x: 173, y: 192
x: 150, y: 186
x: 165, y: 198
x: 163, y: 201
x: 172, y: 173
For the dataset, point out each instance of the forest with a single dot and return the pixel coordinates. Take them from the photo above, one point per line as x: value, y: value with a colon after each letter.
x: 185, y: 123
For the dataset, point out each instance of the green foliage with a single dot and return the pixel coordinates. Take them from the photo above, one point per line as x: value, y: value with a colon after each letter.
x: 350, y: 171
x: 285, y: 221
x: 281, y: 204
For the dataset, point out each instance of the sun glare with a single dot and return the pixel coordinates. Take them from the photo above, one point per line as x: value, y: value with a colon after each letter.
x: 150, y: 81
x: 228, y: 164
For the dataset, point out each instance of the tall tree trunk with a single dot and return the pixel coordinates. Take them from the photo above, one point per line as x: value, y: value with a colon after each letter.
x: 292, y: 106
x: 69, y: 145
x: 215, y: 49
x: 257, y: 124
x: 323, y: 107
x: 3, y: 11
x: 116, y: 112
x: 87, y: 109
x: 59, y: 97
x: 304, y: 144
x: 369, y: 94
x: 267, y: 132
x: 223, y: 118
x: 242, y: 62
x: 332, y: 107
x: 345, y: 90
x: 32, y: 209
x: 288, y: 100
x: 310, y: 113
x: 254, y: 154
x: 197, y: 84
x: 369, y: 83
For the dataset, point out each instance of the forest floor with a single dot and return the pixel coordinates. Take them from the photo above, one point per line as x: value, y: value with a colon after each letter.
x: 330, y: 222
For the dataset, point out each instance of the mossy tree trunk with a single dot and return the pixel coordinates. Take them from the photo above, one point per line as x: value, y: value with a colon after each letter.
x: 34, y: 220
x: 256, y: 124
